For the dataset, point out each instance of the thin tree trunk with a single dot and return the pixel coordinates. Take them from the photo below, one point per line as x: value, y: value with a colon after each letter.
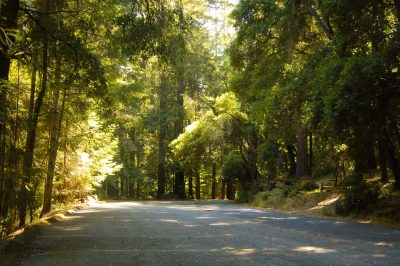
x: 310, y: 5
x: 179, y: 172
x: 31, y: 134
x: 56, y: 120
x: 301, y: 167
x: 138, y: 158
x: 229, y: 189
x: 292, y: 160
x: 310, y: 155
x: 223, y: 189
x: 8, y: 20
x: 13, y: 161
x: 161, y: 138
x: 138, y: 187
x: 394, y: 164
x: 198, y: 184
x: 214, y: 181
x: 383, y: 160
x: 190, y: 184
x: 252, y: 152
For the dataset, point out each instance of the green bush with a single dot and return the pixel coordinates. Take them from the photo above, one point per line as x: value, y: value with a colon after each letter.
x: 308, y: 186
x: 260, y: 198
x: 353, y: 186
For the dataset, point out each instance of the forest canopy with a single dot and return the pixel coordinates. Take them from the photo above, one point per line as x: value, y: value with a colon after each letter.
x: 200, y: 99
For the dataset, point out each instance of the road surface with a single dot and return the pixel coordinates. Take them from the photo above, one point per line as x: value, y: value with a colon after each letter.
x: 208, y: 233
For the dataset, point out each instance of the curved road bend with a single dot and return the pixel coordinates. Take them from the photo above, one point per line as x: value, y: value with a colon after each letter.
x: 208, y: 233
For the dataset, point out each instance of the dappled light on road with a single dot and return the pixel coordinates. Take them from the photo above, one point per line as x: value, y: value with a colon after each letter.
x: 191, y: 225
x: 279, y: 218
x: 384, y: 244
x: 218, y: 224
x: 205, y: 217
x: 170, y: 221
x: 239, y: 251
x: 316, y: 250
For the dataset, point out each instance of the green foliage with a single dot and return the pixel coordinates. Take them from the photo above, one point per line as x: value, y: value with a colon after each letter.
x: 308, y: 186
x: 354, y: 187
x: 260, y: 198
x: 234, y: 168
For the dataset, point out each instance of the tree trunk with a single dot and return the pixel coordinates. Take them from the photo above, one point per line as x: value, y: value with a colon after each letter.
x: 162, y: 148
x: 310, y: 155
x: 394, y: 164
x: 223, y: 189
x: 190, y: 185
x: 55, y: 129
x: 138, y: 181
x: 383, y: 160
x: 13, y: 161
x: 198, y: 185
x: 8, y: 21
x: 138, y: 187
x: 229, y: 190
x: 31, y: 134
x: 180, y: 183
x: 213, y: 180
x: 252, y: 152
x: 301, y: 167
x: 292, y: 160
x: 179, y: 174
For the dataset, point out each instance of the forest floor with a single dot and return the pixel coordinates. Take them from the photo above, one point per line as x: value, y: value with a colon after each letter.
x: 206, y: 233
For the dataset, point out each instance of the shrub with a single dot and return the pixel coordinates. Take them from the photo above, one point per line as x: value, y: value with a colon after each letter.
x: 356, y: 185
x: 308, y: 186
x: 260, y: 198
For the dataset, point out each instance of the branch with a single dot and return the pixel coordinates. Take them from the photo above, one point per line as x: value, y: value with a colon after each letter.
x: 309, y: 5
x: 27, y: 9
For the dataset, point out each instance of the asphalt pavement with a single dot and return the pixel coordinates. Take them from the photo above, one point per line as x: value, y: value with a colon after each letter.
x: 208, y: 233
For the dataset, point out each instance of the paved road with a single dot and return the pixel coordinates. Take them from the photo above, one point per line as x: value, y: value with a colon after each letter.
x: 208, y: 233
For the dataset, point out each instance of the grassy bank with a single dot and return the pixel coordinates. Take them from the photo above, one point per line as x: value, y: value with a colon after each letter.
x: 357, y: 198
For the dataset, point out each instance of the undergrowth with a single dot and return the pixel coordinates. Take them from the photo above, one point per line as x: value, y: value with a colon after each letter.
x: 379, y: 202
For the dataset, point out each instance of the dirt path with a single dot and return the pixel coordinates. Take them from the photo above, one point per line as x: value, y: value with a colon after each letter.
x: 208, y: 233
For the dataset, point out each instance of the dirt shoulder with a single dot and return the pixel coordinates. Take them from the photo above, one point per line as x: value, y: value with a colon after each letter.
x: 321, y: 205
x: 13, y: 247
